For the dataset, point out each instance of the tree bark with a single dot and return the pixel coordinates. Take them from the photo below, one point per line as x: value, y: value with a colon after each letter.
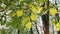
x: 45, y: 19
x: 18, y: 31
x: 58, y: 32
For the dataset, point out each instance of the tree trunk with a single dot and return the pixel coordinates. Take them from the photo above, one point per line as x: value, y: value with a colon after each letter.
x: 18, y: 31
x: 58, y: 32
x: 45, y: 19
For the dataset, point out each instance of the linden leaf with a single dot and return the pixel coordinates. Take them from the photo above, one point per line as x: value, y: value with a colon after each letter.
x: 57, y: 26
x: 12, y: 14
x: 24, y: 20
x: 36, y: 9
x: 19, y: 13
x: 28, y: 25
x: 34, y: 17
x: 40, y: 2
x: 53, y: 11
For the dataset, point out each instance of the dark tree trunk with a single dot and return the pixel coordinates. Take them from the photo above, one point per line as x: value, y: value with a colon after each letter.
x: 45, y: 19
x: 58, y: 32
x: 18, y: 31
